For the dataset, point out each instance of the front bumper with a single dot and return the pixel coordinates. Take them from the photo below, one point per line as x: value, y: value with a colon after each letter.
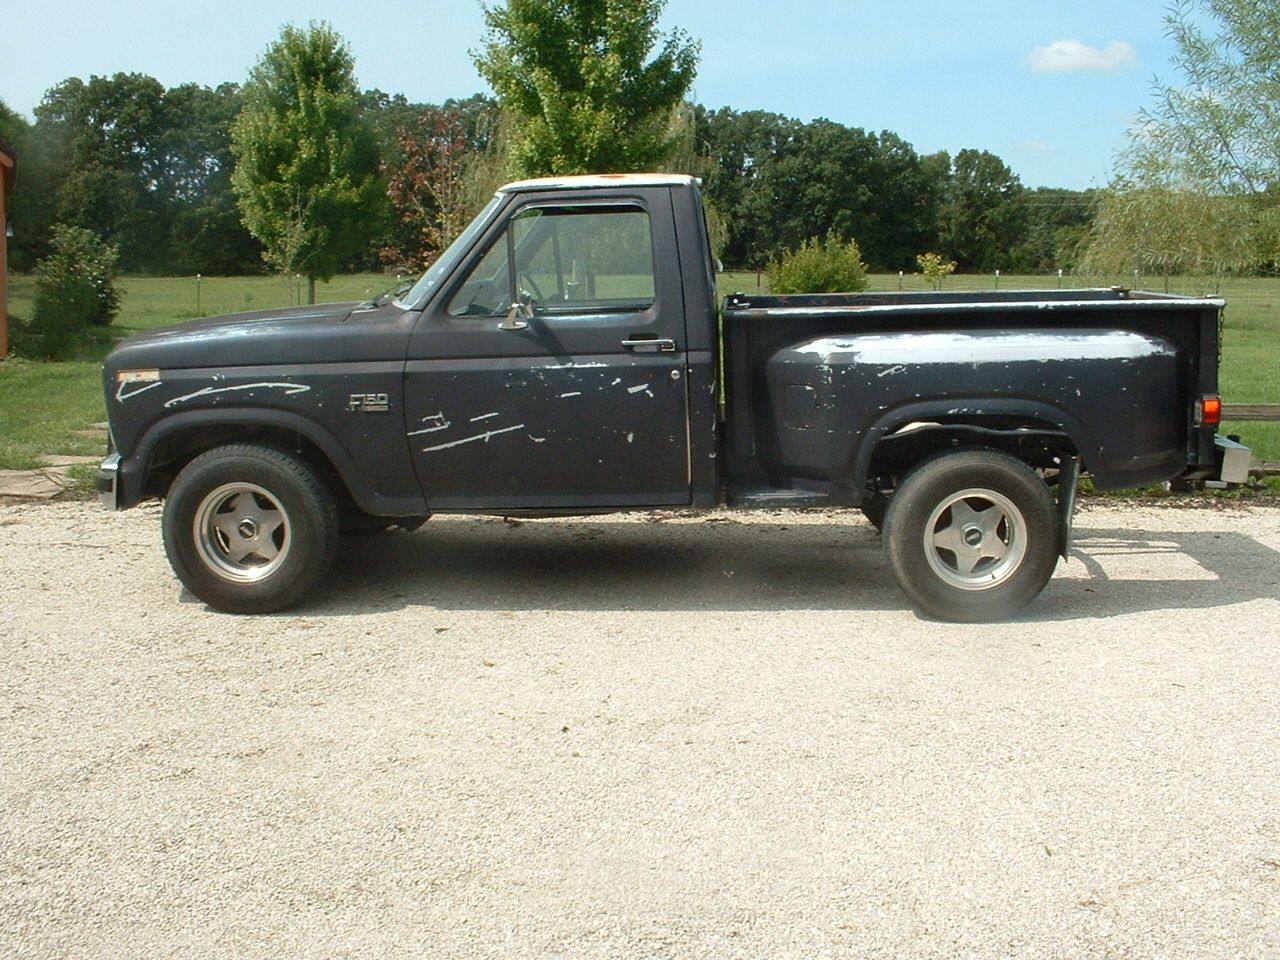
x: 108, y: 482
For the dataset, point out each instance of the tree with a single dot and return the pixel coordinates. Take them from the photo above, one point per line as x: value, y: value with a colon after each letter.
x: 982, y: 215
x: 579, y: 81
x: 935, y: 269
x: 1154, y: 224
x: 1198, y: 188
x: 1056, y: 222
x: 778, y: 181
x: 103, y: 139
x: 205, y: 231
x: 1221, y: 122
x: 429, y: 188
x: 307, y: 171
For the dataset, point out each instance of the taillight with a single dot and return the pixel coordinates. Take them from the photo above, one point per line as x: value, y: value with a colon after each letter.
x: 1209, y: 410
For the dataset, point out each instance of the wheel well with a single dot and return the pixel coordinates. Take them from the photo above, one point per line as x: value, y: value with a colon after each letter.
x: 1035, y: 442
x: 172, y: 453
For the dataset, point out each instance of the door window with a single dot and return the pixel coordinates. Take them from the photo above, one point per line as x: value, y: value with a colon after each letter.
x: 587, y: 259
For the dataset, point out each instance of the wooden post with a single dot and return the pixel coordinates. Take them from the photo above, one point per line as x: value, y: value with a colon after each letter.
x: 4, y: 268
x: 8, y: 163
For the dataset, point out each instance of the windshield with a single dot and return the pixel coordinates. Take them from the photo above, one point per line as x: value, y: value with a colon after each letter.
x: 417, y: 295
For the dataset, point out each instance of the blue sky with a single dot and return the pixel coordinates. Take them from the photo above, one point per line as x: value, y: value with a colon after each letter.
x: 1050, y: 86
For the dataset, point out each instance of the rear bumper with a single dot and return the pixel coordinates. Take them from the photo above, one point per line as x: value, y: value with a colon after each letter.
x: 107, y: 482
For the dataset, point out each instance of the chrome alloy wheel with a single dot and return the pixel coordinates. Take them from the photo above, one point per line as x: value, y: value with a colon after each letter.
x: 975, y: 539
x: 241, y: 532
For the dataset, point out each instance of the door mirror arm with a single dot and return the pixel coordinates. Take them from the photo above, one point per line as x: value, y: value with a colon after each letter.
x: 518, y: 316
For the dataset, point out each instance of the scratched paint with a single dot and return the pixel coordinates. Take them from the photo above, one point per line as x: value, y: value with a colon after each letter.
x: 121, y: 395
x: 480, y: 436
x: 442, y: 424
x: 288, y: 388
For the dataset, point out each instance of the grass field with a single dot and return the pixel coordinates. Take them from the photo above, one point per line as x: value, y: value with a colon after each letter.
x: 43, y: 404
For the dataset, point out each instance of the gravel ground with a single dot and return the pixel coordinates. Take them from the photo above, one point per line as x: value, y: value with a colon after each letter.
x: 711, y: 736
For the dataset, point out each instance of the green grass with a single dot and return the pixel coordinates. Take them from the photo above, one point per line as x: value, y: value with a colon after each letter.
x: 43, y: 404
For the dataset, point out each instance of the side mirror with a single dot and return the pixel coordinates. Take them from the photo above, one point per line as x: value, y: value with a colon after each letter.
x: 518, y: 316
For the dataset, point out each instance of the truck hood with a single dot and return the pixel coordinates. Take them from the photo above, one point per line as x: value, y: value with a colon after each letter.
x: 324, y: 333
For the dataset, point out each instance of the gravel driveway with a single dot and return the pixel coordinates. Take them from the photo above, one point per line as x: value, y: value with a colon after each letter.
x: 721, y: 736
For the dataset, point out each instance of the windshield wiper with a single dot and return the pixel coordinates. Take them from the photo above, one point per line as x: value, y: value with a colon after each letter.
x: 388, y: 295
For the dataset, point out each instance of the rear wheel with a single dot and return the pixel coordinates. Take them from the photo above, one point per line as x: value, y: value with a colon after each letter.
x: 972, y: 535
x: 249, y: 528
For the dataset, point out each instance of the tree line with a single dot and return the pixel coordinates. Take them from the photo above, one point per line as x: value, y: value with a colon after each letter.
x: 299, y: 170
x: 150, y: 169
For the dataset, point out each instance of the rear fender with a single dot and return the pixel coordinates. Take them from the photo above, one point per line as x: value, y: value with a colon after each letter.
x: 970, y: 412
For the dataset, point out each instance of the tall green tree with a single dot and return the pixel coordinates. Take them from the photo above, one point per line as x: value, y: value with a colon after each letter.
x: 307, y: 171
x: 206, y: 234
x: 982, y: 215
x: 582, y: 81
x: 103, y: 137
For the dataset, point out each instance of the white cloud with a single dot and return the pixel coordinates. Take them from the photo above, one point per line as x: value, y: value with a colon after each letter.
x: 1034, y: 146
x: 1073, y: 56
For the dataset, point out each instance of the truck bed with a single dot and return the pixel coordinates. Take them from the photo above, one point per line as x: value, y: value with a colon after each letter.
x: 816, y: 381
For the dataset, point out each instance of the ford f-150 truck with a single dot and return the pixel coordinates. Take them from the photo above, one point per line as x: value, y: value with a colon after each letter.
x: 565, y: 356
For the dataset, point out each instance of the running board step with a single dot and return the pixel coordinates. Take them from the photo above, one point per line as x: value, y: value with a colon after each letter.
x: 774, y: 498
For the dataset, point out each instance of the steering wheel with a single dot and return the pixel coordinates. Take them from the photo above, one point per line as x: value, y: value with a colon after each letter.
x: 523, y: 278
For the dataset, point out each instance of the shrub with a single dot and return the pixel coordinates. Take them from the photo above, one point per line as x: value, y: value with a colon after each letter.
x: 935, y: 269
x: 827, y: 266
x: 75, y: 289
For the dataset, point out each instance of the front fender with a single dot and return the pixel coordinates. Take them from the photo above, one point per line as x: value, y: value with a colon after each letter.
x: 133, y: 469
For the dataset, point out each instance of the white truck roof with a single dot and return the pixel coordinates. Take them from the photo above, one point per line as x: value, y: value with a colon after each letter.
x: 596, y: 180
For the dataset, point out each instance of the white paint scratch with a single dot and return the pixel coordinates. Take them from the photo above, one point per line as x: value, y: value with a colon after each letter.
x: 890, y: 371
x: 616, y: 381
x: 288, y: 388
x: 121, y: 395
x: 571, y: 393
x: 480, y: 436
x: 638, y: 388
x: 630, y: 437
x: 483, y: 416
x: 442, y: 425
x: 537, y: 439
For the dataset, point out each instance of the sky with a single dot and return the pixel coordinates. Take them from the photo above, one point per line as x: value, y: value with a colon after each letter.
x: 1049, y: 86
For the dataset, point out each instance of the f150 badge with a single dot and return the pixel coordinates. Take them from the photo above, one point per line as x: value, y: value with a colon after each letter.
x: 368, y: 403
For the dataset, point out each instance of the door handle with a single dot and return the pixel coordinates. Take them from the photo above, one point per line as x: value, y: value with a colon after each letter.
x: 650, y: 346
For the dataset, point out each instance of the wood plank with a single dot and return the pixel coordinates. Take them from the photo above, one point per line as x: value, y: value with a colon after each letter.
x: 1251, y: 411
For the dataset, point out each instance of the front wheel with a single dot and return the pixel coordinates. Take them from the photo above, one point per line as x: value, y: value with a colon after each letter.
x: 249, y: 528
x: 972, y: 536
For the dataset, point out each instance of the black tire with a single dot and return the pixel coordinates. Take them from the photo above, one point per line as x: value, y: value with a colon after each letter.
x: 1024, y: 527
x: 284, y: 486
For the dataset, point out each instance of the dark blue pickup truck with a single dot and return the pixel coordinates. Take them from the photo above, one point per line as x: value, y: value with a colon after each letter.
x: 565, y: 355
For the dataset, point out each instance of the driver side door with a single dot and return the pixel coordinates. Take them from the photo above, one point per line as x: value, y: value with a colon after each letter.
x: 581, y: 401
